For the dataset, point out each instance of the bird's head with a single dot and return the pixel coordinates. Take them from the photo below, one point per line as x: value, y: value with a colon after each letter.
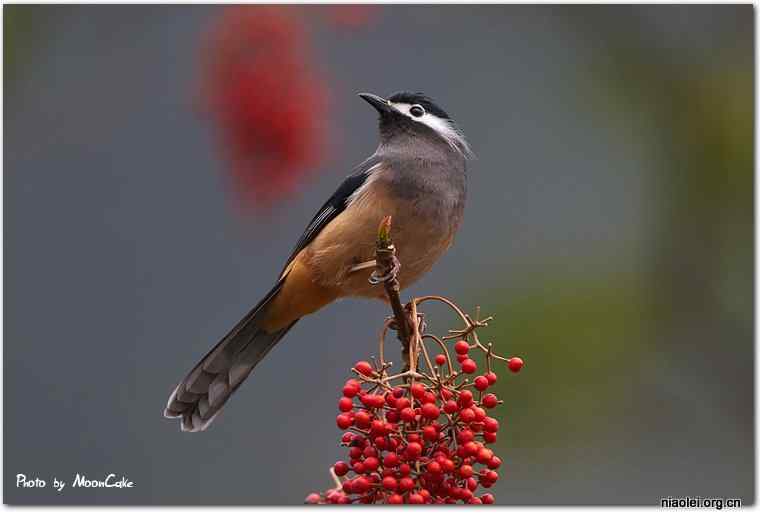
x: 416, y: 115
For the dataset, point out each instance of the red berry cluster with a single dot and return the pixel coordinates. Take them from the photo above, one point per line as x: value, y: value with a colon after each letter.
x: 418, y: 437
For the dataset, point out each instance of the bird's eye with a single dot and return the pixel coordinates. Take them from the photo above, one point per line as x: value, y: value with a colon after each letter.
x: 417, y: 110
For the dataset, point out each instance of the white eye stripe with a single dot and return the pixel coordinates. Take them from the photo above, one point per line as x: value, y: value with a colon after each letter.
x: 443, y: 127
x: 402, y: 107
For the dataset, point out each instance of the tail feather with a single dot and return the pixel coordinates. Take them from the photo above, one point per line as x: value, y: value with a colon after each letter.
x: 198, y: 399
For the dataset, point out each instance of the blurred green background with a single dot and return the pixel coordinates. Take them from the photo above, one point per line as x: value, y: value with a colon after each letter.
x: 609, y: 230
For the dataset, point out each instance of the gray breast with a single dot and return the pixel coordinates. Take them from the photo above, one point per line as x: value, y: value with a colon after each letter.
x: 434, y: 189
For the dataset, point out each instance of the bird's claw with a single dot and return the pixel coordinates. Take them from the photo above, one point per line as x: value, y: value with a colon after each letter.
x: 392, y: 273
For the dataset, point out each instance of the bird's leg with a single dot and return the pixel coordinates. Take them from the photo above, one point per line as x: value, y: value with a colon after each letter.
x: 391, y: 266
x: 362, y: 266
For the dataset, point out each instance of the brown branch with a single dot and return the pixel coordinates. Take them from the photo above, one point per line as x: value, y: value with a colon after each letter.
x: 387, y: 267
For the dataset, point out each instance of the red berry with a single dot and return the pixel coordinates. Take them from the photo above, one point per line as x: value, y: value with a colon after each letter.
x: 484, y: 455
x: 341, y: 468
x: 403, y: 403
x: 462, y: 347
x: 404, y: 469
x: 429, y: 433
x: 450, y: 407
x: 371, y: 463
x: 430, y: 411
x: 364, y: 368
x: 462, y: 357
x: 467, y: 415
x: 413, y: 438
x: 345, y: 404
x: 489, y: 437
x: 351, y: 388
x: 490, y: 424
x: 465, y: 398
x: 464, y: 436
x: 492, y: 476
x: 369, y: 452
x: 343, y: 421
x: 390, y: 483
x: 465, y: 471
x: 313, y: 498
x: 469, y: 366
x: 398, y: 392
x: 407, y: 415
x: 491, y: 378
x: 362, y: 419
x: 480, y: 414
x: 390, y: 400
x: 378, y: 427
x: 405, y: 484
x: 434, y: 467
x: 470, y: 448
x: 413, y: 450
x: 417, y: 390
x: 490, y: 400
x: 416, y: 499
x: 481, y: 383
x: 448, y: 465
x: 515, y: 364
x: 360, y: 485
x: 474, y: 501
x: 395, y: 499
x: 390, y: 460
x: 348, y: 437
x: 488, y: 498
x: 440, y: 359
x: 494, y: 462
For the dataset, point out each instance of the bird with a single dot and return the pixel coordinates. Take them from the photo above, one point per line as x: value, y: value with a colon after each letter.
x: 417, y: 175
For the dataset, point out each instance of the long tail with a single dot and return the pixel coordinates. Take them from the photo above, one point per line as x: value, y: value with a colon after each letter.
x: 202, y: 394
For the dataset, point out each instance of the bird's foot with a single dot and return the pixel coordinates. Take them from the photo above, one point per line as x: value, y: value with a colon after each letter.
x: 393, y: 267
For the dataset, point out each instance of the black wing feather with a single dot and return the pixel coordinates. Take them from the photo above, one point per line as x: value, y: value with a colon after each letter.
x: 334, y: 205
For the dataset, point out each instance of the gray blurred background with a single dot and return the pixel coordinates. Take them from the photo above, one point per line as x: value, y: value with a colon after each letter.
x: 609, y: 229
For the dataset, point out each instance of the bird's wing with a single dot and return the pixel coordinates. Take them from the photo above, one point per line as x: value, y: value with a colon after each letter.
x: 335, y: 204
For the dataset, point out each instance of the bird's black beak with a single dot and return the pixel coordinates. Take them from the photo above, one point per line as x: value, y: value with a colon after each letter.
x: 379, y: 103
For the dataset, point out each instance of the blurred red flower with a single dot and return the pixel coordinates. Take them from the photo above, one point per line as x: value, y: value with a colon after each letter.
x: 353, y: 16
x: 267, y: 100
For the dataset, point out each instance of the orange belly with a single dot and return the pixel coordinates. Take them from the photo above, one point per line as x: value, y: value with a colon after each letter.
x: 321, y: 272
